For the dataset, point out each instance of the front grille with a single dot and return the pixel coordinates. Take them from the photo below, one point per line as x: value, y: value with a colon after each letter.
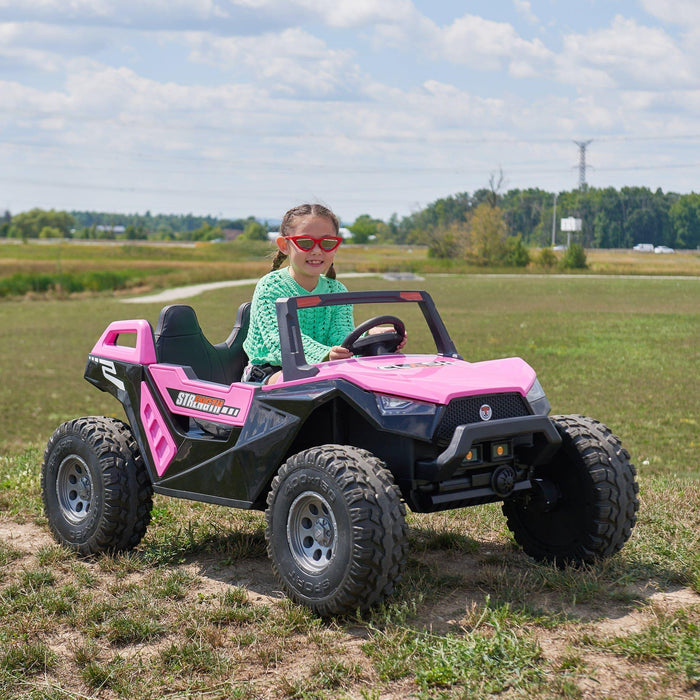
x: 462, y: 411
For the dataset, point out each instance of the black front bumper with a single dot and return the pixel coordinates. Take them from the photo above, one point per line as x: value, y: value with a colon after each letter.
x: 546, y: 439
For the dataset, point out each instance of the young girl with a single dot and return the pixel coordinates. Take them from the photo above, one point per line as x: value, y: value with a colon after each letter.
x: 309, y: 237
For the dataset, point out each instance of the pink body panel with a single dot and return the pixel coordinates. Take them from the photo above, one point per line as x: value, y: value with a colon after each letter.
x: 145, y: 351
x: 206, y: 400
x: 430, y: 378
x: 163, y: 447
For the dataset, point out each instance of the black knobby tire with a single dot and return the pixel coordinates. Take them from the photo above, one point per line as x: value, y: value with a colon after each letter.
x: 336, y: 529
x: 595, y: 505
x: 96, y: 491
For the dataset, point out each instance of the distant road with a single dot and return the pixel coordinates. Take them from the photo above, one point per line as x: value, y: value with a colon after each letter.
x: 170, y: 295
x: 193, y: 290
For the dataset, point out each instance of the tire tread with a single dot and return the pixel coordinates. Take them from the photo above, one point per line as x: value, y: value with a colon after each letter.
x: 127, y: 490
x: 615, y: 491
x: 379, y: 530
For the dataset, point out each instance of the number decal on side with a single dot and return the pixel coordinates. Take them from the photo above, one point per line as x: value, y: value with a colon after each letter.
x: 110, y: 373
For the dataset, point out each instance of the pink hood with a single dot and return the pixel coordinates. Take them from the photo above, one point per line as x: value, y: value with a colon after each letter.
x: 431, y: 378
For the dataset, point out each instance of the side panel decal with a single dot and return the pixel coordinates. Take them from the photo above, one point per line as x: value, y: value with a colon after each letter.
x: 109, y: 371
x: 192, y: 397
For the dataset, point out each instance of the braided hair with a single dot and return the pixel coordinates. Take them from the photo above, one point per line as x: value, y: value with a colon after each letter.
x: 287, y: 227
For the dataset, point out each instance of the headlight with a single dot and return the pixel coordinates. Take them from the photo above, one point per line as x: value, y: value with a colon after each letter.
x: 398, y: 406
x: 538, y: 399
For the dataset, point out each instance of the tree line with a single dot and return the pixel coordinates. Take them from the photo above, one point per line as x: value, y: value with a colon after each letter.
x: 518, y: 218
x: 43, y: 223
x: 610, y: 218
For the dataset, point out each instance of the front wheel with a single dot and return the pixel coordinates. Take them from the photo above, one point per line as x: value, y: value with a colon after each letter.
x: 95, y: 488
x: 336, y: 530
x: 584, y: 504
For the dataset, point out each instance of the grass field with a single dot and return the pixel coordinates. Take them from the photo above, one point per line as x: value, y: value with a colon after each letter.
x: 195, y: 611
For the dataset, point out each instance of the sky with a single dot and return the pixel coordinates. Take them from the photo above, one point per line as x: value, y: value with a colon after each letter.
x: 234, y: 108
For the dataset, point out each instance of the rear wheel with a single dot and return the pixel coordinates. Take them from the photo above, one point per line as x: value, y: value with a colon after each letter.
x: 96, y: 491
x: 336, y: 530
x: 584, y: 504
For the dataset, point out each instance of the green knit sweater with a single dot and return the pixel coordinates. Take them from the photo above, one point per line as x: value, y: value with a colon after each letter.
x: 321, y: 327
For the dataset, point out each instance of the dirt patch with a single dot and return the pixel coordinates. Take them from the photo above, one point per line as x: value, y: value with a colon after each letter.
x: 254, y: 575
x: 24, y: 537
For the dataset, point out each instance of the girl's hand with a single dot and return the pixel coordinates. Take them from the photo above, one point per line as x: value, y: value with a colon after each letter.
x: 387, y: 329
x: 403, y: 342
x: 339, y: 353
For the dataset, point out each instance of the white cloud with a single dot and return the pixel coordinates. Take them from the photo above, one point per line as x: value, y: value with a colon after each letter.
x: 93, y: 7
x: 42, y: 48
x: 292, y: 60
x: 624, y: 52
x: 102, y: 105
x: 524, y: 8
x: 469, y: 40
x: 483, y: 43
x: 357, y: 13
x: 683, y: 12
x: 95, y: 93
x: 48, y: 38
x: 110, y: 8
x: 136, y: 14
x: 236, y: 15
x: 23, y: 100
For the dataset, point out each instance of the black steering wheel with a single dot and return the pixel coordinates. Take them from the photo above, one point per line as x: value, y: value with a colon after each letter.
x: 378, y: 343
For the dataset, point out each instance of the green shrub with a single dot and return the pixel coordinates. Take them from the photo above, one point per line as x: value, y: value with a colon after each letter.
x: 50, y: 232
x: 101, y: 281
x: 546, y: 258
x: 446, y: 243
x: 574, y: 258
x: 67, y: 283
x: 22, y: 283
x: 516, y: 253
x: 444, y: 247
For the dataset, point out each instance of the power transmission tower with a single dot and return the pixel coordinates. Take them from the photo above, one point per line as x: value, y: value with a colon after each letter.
x: 582, y: 145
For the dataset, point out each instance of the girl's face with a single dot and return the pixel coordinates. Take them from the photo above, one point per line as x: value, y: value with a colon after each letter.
x: 307, y: 265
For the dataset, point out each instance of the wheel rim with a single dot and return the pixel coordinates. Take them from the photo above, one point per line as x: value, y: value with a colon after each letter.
x: 74, y: 489
x: 311, y: 532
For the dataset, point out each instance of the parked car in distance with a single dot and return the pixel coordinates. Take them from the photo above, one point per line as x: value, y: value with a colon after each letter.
x: 663, y: 249
x: 644, y: 247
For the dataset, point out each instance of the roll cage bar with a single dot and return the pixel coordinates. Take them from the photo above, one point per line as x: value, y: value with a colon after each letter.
x: 294, y: 364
